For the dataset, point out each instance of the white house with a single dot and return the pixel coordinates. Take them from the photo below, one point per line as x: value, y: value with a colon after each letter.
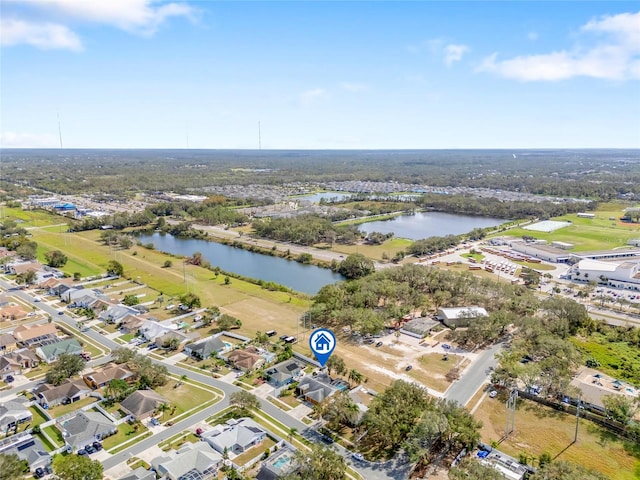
x: 235, y: 436
x: 460, y: 316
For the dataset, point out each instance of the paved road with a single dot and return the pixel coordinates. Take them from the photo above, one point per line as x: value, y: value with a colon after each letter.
x: 394, y: 469
x: 476, y: 375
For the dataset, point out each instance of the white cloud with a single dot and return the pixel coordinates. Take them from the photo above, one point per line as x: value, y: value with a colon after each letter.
x: 533, y: 36
x: 136, y: 16
x: 311, y: 96
x: 28, y: 140
x: 615, y: 57
x: 46, y: 36
x: 46, y: 24
x: 353, y: 87
x: 454, y: 53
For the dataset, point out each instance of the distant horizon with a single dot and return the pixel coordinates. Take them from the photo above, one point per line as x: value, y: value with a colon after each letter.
x: 515, y: 149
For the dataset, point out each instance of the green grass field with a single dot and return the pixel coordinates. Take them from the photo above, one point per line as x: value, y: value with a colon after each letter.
x: 540, y: 429
x: 617, y: 359
x: 390, y: 248
x: 603, y: 232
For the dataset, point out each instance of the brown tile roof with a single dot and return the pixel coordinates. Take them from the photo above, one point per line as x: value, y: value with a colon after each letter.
x: 27, y: 332
x: 245, y: 358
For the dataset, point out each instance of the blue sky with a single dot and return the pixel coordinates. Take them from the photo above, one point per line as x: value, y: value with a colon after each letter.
x: 155, y: 74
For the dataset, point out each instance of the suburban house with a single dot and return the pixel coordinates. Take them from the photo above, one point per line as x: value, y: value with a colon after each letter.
x: 12, y: 311
x: 181, y: 338
x: 100, y: 378
x: 142, y: 403
x: 235, y: 436
x: 246, y: 359
x: 49, y: 284
x: 28, y: 448
x: 281, y: 463
x: 29, y: 335
x: 15, y: 362
x: 131, y: 324
x: 152, y: 329
x: 60, y: 289
x: 13, y: 414
x: 7, y: 343
x: 51, y: 351
x: 283, y: 373
x: 68, y: 392
x: 460, y: 316
x: 316, y: 389
x: 192, y: 461
x: 204, y: 348
x: 23, y: 267
x: 84, y: 298
x: 86, y: 427
x: 115, y: 313
x: 140, y: 473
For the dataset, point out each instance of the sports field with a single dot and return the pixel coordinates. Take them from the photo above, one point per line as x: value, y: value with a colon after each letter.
x: 604, y: 232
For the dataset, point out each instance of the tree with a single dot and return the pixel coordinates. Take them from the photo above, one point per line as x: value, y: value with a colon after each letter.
x: 562, y: 470
x: 55, y: 258
x: 115, y: 268
x: 77, y: 467
x: 66, y: 367
x: 470, y: 468
x: 161, y: 408
x: 131, y: 300
x: 27, y: 277
x: 336, y: 364
x: 356, y: 266
x: 244, y: 400
x: 620, y: 407
x: 227, y: 322
x: 190, y: 300
x: 355, y: 376
x: 28, y: 250
x: 11, y: 467
x: 116, y: 389
x: 125, y: 242
x: 122, y: 355
x: 261, y: 338
x: 167, y: 264
x: 321, y: 463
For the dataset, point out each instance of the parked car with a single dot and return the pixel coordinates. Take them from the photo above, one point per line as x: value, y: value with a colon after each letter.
x: 82, y: 451
x: 493, y: 393
x: 97, y: 446
x: 379, y: 344
x: 39, y: 473
x: 409, y: 367
x: 326, y: 439
x: 89, y: 449
x: 357, y: 456
x: 9, y: 378
x: 199, y: 431
x: 371, y: 340
x: 60, y: 312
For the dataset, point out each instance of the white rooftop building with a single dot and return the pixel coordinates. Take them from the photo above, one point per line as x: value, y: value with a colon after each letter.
x: 460, y: 316
x: 621, y: 274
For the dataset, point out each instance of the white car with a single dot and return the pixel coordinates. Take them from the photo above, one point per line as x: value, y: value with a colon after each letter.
x: 493, y: 393
x: 357, y: 456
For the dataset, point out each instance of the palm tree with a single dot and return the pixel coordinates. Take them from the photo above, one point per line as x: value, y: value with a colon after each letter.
x: 355, y: 376
x: 163, y: 407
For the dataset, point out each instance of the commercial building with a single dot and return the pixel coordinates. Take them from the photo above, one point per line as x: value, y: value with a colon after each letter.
x: 625, y: 274
x: 460, y: 316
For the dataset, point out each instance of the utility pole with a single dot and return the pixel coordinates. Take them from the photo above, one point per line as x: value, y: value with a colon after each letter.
x: 511, y: 412
x: 575, y: 438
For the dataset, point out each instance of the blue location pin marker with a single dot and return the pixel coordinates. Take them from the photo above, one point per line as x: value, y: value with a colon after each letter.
x: 322, y: 343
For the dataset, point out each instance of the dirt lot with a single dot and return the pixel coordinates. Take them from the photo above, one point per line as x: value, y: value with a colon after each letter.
x: 540, y: 429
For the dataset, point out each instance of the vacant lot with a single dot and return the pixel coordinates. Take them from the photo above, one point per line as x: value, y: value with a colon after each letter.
x: 617, y: 359
x: 541, y: 429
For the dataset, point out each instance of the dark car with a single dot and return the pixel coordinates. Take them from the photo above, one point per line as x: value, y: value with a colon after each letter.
x: 60, y: 312
x: 371, y: 340
x: 409, y: 367
x: 379, y: 344
x: 326, y: 439
x: 89, y: 449
x: 9, y: 378
x: 39, y: 473
x: 97, y: 446
x: 82, y: 451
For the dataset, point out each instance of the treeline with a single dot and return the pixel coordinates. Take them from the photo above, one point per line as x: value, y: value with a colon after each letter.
x: 306, y: 230
x: 209, y: 212
x: 16, y: 238
x: 431, y: 245
x: 493, y: 207
x: 118, y: 221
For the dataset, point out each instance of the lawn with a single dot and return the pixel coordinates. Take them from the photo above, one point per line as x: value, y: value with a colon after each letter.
x: 617, y: 359
x: 389, y: 248
x: 586, y: 234
x: 125, y: 433
x: 253, y: 452
x: 54, y: 434
x: 540, y: 429
x: 33, y: 218
x: 38, y: 416
x: 60, y: 410
x: 184, y: 398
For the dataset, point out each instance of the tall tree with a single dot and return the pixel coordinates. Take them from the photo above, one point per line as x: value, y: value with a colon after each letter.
x: 77, y: 467
x: 336, y: 364
x: 11, y: 467
x: 356, y: 266
x: 55, y: 258
x: 244, y: 400
x: 115, y: 268
x: 66, y: 367
x: 321, y: 463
